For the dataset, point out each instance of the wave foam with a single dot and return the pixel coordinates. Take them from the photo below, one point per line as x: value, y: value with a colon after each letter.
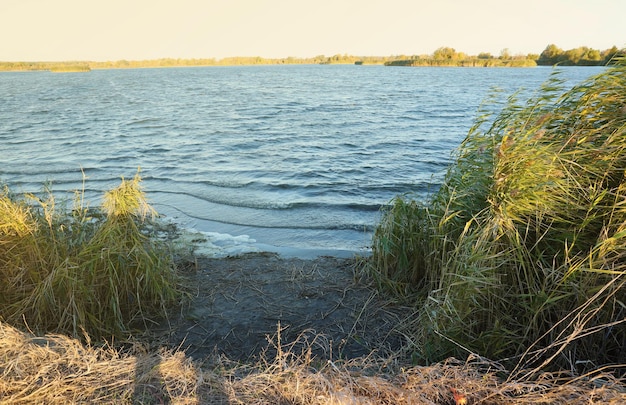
x: 213, y: 244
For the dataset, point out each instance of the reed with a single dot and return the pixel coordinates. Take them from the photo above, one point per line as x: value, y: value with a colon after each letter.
x: 521, y: 253
x: 83, y: 271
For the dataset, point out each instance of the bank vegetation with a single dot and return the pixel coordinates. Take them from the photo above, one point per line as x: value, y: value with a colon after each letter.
x: 521, y: 254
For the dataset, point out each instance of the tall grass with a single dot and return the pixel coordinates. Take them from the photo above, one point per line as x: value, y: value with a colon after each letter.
x: 522, y: 252
x: 83, y: 271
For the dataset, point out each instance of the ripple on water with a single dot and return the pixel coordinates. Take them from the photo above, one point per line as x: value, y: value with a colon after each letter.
x: 293, y: 156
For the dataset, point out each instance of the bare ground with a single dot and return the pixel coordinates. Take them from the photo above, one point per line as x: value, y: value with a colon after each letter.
x: 241, y: 307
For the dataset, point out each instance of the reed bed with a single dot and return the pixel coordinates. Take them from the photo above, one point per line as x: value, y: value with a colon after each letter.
x: 56, y: 369
x: 83, y: 272
x: 521, y: 254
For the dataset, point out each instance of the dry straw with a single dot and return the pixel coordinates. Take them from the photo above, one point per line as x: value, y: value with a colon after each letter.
x: 56, y: 369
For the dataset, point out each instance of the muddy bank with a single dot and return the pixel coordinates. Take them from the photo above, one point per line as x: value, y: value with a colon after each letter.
x: 239, y: 303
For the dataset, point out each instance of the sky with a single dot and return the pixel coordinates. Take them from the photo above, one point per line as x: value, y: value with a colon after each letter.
x: 108, y: 30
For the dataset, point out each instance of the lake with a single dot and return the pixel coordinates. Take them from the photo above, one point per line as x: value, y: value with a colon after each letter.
x: 297, y: 159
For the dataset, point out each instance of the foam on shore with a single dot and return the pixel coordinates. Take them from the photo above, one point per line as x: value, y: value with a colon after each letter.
x: 219, y: 245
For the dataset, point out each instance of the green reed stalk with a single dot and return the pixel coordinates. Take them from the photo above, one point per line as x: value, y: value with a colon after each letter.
x: 81, y: 271
x: 528, y: 229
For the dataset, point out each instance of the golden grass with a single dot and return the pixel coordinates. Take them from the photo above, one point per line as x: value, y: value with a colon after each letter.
x: 56, y: 369
x: 69, y: 271
x: 59, y: 369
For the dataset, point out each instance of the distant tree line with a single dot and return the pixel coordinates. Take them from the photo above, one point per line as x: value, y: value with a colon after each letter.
x: 245, y: 60
x: 50, y: 66
x: 444, y: 56
x: 581, y: 56
x: 173, y: 62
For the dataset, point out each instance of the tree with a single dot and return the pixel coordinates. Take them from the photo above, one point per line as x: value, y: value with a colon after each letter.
x: 445, y: 53
x: 610, y: 53
x: 550, y: 55
x: 591, y: 57
x: 572, y: 56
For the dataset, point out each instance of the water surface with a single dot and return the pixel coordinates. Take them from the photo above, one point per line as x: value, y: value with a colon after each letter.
x: 287, y: 157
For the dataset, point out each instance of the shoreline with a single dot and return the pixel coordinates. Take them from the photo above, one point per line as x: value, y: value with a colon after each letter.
x: 313, y: 253
x: 216, y: 245
x: 53, y: 68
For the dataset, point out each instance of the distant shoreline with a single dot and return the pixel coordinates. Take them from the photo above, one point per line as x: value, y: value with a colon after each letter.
x: 442, y: 57
x: 73, y: 66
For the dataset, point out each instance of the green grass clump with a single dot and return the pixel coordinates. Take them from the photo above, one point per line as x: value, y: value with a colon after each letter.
x: 83, y: 271
x: 522, y: 252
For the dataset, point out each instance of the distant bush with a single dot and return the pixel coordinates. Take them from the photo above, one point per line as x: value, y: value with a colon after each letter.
x: 581, y: 56
x: 472, y: 62
x: 521, y: 254
x: 83, y: 271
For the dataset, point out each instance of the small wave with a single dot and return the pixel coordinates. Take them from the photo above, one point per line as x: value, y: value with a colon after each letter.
x: 156, y: 150
x: 351, y: 206
x: 225, y: 184
x: 301, y: 226
x: 141, y: 121
x: 233, y: 200
x: 51, y: 172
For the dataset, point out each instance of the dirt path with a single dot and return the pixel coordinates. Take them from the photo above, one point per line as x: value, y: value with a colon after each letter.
x: 239, y: 303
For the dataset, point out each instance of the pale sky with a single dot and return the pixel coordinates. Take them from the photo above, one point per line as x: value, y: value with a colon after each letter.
x: 102, y: 30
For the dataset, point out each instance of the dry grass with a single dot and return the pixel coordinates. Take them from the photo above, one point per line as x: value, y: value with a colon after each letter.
x: 58, y: 370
